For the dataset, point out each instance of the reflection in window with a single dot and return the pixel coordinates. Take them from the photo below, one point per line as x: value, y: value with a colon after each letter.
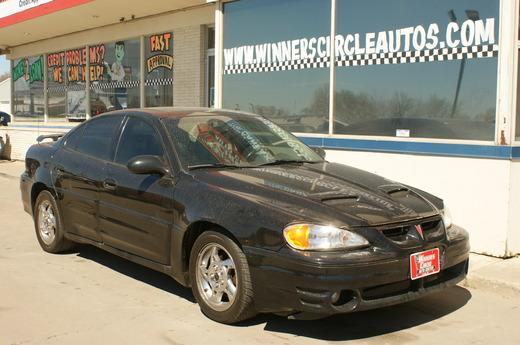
x: 76, y: 61
x: 417, y: 69
x: 98, y: 136
x: 289, y: 95
x: 138, y: 138
x: 56, y: 90
x: 28, y: 99
x: 115, y: 76
x: 66, y: 78
x: 159, y: 70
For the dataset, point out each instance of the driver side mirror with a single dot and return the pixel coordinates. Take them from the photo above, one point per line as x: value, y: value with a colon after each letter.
x: 147, y: 165
x: 320, y: 151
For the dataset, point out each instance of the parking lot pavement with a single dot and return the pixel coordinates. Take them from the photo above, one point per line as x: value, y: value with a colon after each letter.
x: 91, y: 297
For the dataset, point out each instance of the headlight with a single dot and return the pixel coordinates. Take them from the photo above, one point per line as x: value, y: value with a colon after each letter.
x: 319, y: 237
x: 446, y: 217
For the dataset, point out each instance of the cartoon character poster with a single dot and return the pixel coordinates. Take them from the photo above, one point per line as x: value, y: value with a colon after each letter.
x: 116, y: 72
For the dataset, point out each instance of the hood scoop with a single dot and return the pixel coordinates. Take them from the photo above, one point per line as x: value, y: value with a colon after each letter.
x: 394, y: 190
x: 335, y: 198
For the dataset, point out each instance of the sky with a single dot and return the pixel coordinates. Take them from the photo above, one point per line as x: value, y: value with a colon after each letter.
x: 4, y: 64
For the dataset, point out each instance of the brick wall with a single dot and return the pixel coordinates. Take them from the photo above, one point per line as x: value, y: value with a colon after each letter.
x: 189, y: 70
x: 18, y: 140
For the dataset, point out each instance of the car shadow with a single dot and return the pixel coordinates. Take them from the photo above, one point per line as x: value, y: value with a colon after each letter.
x: 368, y: 324
x: 135, y: 271
x: 354, y: 326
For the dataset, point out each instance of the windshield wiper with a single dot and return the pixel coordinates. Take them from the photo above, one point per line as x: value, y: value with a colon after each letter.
x: 213, y: 166
x: 287, y: 161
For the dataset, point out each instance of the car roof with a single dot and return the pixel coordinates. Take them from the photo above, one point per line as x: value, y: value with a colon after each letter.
x: 180, y: 112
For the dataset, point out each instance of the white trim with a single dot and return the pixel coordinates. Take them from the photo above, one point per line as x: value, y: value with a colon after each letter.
x: 332, y: 80
x: 88, y: 108
x: 45, y: 92
x: 506, y: 66
x: 11, y: 80
x: 219, y: 53
x: 142, y: 76
x: 386, y: 138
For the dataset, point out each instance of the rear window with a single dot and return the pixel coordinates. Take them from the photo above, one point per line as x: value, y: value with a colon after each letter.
x: 98, y: 137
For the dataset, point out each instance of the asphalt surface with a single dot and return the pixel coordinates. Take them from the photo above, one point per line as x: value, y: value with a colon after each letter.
x: 92, y: 297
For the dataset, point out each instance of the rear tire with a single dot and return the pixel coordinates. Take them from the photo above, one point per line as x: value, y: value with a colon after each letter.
x: 220, y: 278
x: 48, y: 225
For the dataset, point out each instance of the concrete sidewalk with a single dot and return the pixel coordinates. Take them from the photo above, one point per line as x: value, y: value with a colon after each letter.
x: 11, y: 169
x: 501, y: 276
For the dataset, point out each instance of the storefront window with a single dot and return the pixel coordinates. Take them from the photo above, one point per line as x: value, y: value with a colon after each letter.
x: 412, y: 68
x: 159, y: 70
x: 115, y: 76
x: 210, y: 66
x: 76, y: 83
x: 28, y: 96
x: 275, y: 55
x: 56, y: 86
x: 66, y: 74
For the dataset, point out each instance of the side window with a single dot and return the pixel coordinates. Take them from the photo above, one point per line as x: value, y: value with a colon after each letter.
x: 73, y: 137
x: 98, y: 137
x: 139, y: 138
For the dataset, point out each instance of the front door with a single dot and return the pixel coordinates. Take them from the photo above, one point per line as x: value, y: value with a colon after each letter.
x: 136, y: 211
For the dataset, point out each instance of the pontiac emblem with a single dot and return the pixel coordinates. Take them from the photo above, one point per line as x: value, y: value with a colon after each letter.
x: 419, y: 230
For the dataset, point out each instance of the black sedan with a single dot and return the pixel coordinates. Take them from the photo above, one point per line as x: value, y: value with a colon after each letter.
x: 242, y: 211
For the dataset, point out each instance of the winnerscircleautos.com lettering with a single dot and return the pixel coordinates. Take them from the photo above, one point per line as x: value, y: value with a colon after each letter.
x: 418, y: 38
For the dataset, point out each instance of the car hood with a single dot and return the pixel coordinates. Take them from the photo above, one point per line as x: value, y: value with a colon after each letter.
x: 327, y: 188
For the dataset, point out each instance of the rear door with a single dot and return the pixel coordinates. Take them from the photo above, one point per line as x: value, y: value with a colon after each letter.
x: 79, y: 171
x: 136, y: 211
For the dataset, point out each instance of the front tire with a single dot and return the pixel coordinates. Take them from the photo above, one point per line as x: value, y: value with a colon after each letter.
x: 48, y: 225
x: 220, y: 278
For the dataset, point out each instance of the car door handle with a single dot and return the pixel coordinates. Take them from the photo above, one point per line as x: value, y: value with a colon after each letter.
x: 110, y: 184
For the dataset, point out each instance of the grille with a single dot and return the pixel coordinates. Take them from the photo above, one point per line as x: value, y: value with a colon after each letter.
x: 432, y: 230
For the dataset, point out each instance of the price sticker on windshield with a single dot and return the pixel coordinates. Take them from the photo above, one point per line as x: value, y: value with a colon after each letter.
x: 425, y: 263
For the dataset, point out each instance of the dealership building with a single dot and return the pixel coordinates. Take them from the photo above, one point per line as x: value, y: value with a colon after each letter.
x: 422, y: 92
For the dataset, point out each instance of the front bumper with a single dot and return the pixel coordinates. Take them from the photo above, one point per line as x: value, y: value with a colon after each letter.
x: 369, y: 279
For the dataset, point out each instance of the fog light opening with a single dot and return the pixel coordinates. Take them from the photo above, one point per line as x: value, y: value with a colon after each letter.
x: 342, y: 298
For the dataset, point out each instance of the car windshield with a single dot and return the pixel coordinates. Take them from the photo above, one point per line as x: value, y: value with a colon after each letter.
x: 235, y: 141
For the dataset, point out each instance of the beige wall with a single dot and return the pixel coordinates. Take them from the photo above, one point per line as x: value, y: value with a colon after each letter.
x: 189, y: 74
x: 477, y: 191
x: 18, y: 140
x: 131, y: 29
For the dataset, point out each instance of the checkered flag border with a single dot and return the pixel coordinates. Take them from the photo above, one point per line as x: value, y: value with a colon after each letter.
x: 159, y: 82
x: 115, y: 85
x: 279, y: 66
x: 440, y: 54
x: 64, y: 88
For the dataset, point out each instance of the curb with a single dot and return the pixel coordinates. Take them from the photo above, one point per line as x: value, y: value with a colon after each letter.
x: 504, y: 289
